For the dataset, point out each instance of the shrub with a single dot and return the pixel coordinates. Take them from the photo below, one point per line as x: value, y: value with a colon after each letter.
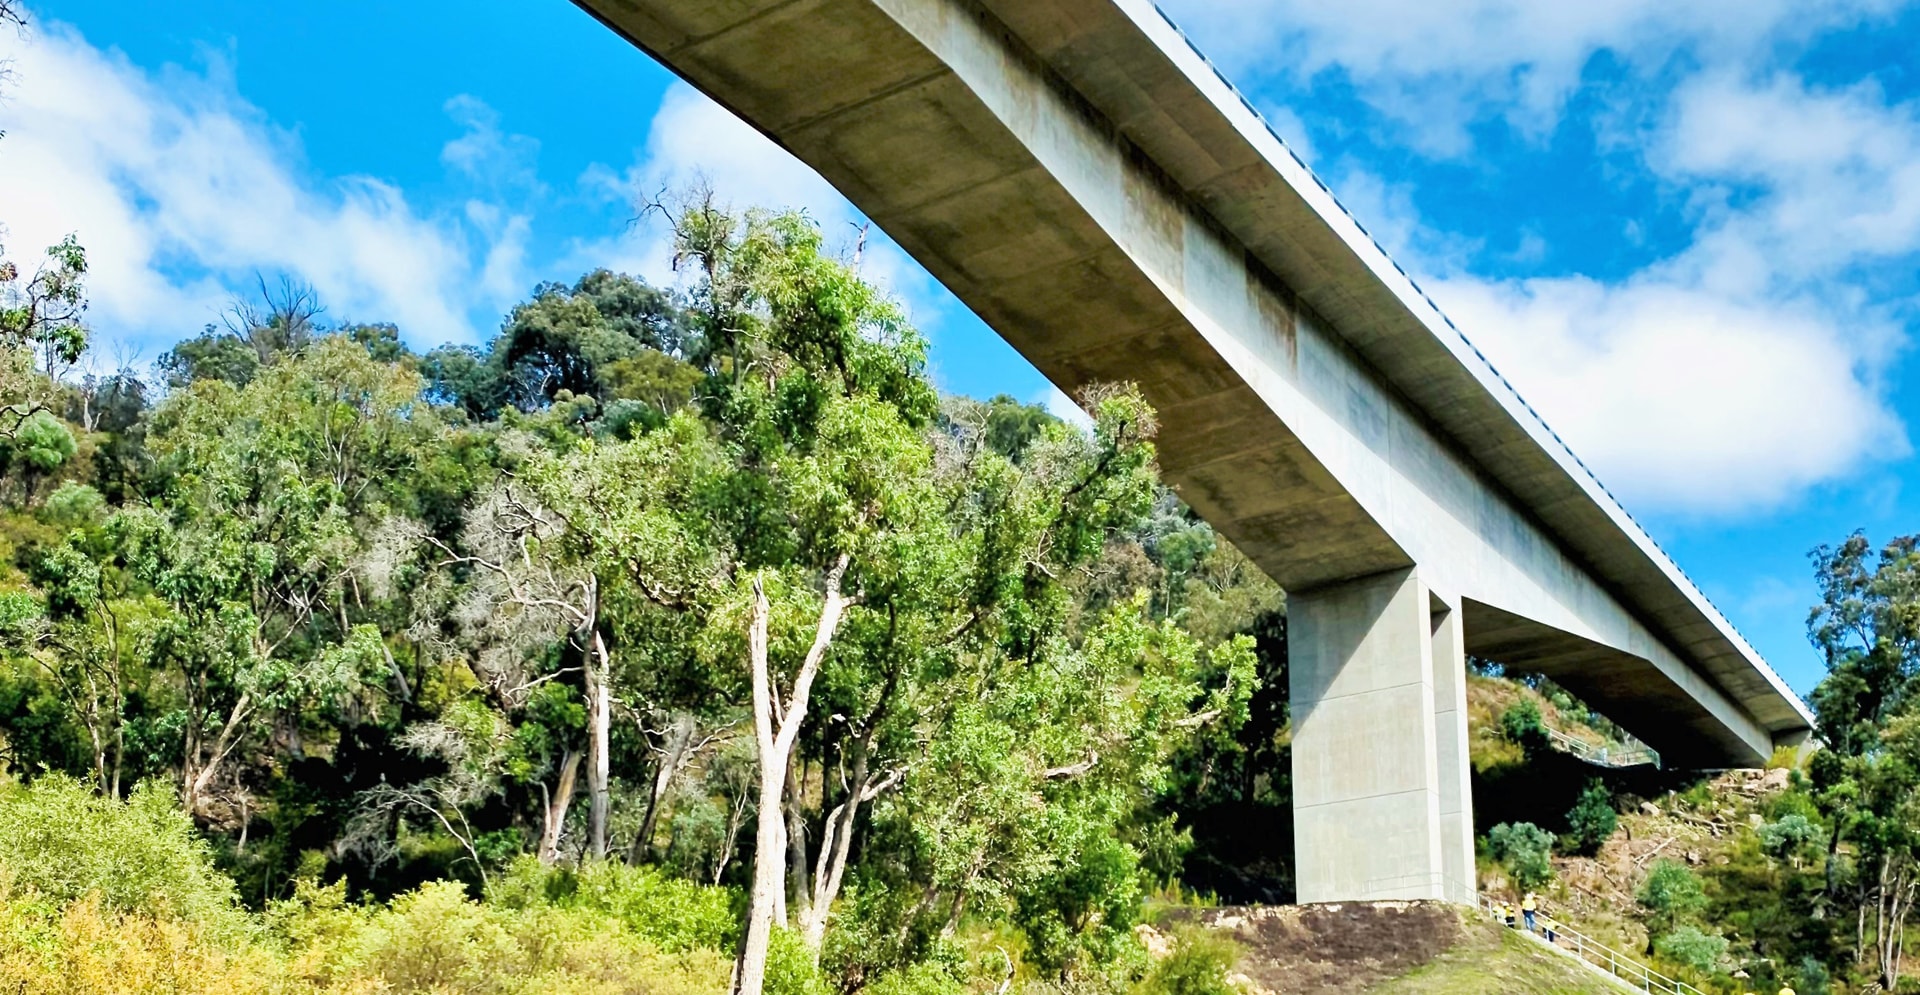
x: 1521, y: 723
x: 1671, y: 894
x: 1690, y: 946
x: 63, y: 842
x: 1525, y: 850
x: 436, y: 939
x: 85, y: 948
x: 791, y: 969
x: 1197, y: 965
x: 1813, y: 978
x: 930, y: 978
x: 42, y: 442
x: 1788, y: 835
x: 672, y: 912
x: 1592, y: 818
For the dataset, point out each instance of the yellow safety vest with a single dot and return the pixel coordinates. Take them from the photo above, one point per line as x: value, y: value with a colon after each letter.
x: 1528, y: 905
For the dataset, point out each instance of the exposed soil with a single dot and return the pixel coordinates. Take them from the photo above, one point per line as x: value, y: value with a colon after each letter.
x: 1335, y: 949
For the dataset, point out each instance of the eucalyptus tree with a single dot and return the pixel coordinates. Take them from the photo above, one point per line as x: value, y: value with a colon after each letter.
x: 270, y: 492
x: 1866, y: 781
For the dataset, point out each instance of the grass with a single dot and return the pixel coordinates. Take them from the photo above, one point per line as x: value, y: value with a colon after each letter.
x: 1498, y: 960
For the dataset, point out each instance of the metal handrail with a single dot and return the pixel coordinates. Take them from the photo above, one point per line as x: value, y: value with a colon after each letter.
x: 1628, y: 755
x: 1602, y: 957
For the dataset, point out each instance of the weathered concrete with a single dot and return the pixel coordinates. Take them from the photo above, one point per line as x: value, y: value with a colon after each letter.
x: 1450, y: 750
x: 1080, y: 177
x: 1366, y: 771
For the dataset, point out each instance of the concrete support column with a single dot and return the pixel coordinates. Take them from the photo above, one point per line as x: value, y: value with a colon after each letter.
x: 1367, y: 753
x: 1450, y: 739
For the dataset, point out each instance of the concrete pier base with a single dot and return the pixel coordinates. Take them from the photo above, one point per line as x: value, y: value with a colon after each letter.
x: 1380, y: 788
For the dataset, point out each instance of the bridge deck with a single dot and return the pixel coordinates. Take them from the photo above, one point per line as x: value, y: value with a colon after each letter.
x: 1077, y: 174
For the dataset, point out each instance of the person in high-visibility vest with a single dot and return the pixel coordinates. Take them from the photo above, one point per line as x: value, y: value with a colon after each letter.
x: 1527, y: 907
x: 1506, y: 913
x: 1548, y: 926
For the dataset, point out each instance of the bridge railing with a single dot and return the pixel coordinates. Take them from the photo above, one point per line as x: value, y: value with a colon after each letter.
x: 1625, y: 755
x: 1625, y: 967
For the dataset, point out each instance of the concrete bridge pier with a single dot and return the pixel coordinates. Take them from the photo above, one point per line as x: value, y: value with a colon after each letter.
x: 1381, y: 792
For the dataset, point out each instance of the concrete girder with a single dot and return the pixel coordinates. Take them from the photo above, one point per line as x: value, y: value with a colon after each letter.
x: 1075, y: 173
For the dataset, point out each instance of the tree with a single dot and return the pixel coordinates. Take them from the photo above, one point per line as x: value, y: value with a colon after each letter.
x: 1592, y: 818
x: 1672, y: 896
x: 1867, y: 627
x: 40, y: 329
x: 1525, y: 849
x: 255, y: 540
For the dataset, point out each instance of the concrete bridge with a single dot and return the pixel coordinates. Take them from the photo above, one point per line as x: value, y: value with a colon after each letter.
x: 1084, y: 180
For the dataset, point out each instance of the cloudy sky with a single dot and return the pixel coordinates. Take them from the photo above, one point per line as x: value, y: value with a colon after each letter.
x: 1687, y: 232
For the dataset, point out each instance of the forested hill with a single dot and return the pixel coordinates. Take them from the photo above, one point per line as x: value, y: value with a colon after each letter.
x: 671, y: 579
x: 690, y: 639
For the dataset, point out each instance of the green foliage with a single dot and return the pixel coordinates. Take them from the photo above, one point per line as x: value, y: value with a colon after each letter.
x: 62, y: 842
x: 1525, y: 850
x: 1690, y: 946
x: 1592, y: 818
x: 1787, y: 836
x: 352, y: 606
x: 792, y: 968
x: 74, y: 505
x: 1198, y: 964
x: 1812, y: 977
x: 926, y: 978
x: 437, y: 939
x: 672, y: 913
x: 41, y: 443
x: 1523, y: 724
x: 1672, y: 895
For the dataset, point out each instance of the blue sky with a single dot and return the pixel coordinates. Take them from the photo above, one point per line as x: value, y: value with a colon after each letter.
x: 1686, y: 232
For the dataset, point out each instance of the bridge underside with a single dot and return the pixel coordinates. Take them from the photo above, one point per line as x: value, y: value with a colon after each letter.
x: 1076, y: 175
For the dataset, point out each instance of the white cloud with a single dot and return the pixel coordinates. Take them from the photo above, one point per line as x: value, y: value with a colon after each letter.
x: 486, y: 153
x: 1682, y: 398
x: 181, y: 191
x: 1837, y: 171
x: 1747, y: 368
x: 692, y: 139
x: 1437, y: 66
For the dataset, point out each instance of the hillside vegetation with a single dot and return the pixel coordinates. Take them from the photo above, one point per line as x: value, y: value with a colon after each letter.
x: 689, y: 639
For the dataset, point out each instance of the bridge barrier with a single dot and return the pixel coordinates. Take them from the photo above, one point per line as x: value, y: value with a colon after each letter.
x: 1622, y: 967
x: 1628, y: 755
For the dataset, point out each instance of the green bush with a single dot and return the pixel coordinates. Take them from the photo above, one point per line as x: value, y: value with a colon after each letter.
x: 62, y: 841
x: 673, y: 913
x: 1813, y: 976
x: 1672, y: 894
x: 791, y: 969
x: 1197, y: 965
x: 928, y: 978
x: 1691, y: 946
x: 1522, y: 724
x: 1592, y: 819
x: 42, y: 442
x: 1788, y: 835
x: 437, y: 939
x: 1525, y: 850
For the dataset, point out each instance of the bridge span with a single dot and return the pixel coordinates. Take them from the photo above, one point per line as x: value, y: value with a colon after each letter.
x: 1080, y: 176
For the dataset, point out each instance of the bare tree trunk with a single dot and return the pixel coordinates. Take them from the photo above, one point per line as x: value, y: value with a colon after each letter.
x: 202, y: 768
x: 836, y: 842
x: 557, y: 805
x: 599, y: 771
x: 679, y: 747
x: 798, y: 898
x: 735, y: 817
x: 774, y: 737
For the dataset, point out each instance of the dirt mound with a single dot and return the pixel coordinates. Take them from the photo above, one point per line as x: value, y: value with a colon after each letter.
x: 1334, y: 949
